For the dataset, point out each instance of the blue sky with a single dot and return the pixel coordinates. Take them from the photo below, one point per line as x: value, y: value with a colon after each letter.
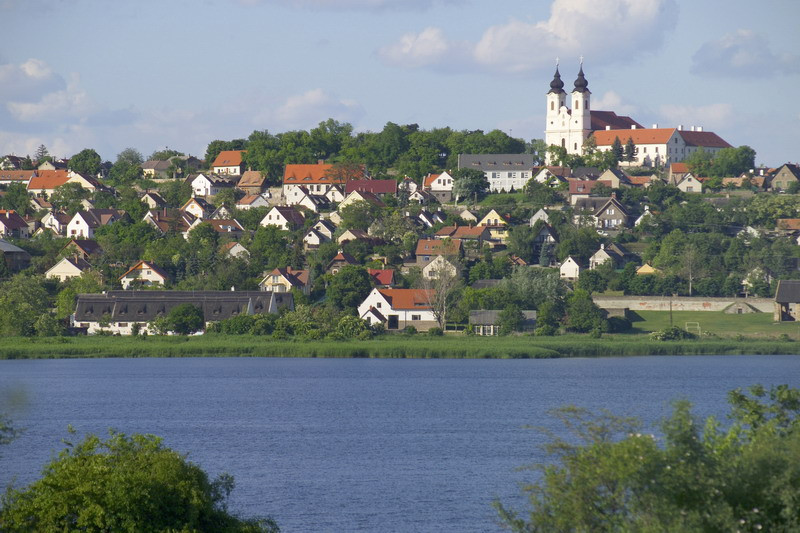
x: 181, y: 73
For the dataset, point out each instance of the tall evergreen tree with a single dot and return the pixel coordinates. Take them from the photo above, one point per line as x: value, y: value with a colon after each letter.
x: 630, y: 150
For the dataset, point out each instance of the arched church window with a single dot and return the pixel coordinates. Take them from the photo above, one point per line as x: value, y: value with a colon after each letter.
x: 576, y: 146
x: 577, y: 104
x: 552, y: 106
x: 563, y: 143
x: 586, y: 104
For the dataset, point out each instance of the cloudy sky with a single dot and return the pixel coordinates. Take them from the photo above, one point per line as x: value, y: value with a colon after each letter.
x: 181, y: 73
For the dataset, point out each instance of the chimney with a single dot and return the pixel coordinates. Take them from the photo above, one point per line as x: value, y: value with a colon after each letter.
x: 633, y: 126
x: 699, y: 128
x: 680, y: 127
x: 691, y: 128
x: 320, y: 161
x: 655, y: 126
x: 608, y: 128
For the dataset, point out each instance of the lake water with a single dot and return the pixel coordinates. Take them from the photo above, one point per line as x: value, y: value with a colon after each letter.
x: 357, y: 445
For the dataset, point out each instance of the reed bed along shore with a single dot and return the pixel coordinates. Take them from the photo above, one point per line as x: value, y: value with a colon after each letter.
x: 389, y: 346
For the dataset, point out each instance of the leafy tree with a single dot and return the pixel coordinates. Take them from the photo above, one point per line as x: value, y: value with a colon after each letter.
x: 699, y: 162
x: 510, y: 319
x: 86, y: 162
x: 541, y: 194
x: 16, y: 198
x: 522, y: 241
x: 164, y: 155
x: 69, y: 197
x: 592, y: 281
x: 23, y: 299
x: 329, y: 137
x: 128, y: 167
x: 124, y: 484
x: 349, y: 287
x: 175, y: 192
x: 185, y: 319
x: 469, y: 183
x: 609, y: 476
x: 733, y: 161
x: 583, y: 315
x: 530, y: 287
x: 357, y: 215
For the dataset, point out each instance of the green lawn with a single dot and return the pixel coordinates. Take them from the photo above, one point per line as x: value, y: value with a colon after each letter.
x: 755, y: 325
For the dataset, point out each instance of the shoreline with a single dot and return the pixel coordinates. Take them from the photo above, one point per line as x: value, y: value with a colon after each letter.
x: 389, y: 347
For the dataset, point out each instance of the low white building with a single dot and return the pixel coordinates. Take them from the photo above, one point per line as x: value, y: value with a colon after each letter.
x: 399, y: 308
x: 570, y: 269
x: 68, y: 267
x: 143, y: 274
x: 438, y: 267
x: 284, y: 217
x: 505, y: 172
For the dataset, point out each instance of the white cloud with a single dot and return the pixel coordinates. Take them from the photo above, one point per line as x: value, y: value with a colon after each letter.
x: 713, y: 116
x: 606, y: 31
x: 29, y: 80
x: 71, y: 101
x: 312, y: 107
x: 742, y: 53
x: 612, y: 101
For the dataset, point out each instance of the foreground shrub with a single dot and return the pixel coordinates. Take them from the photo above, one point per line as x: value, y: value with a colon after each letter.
x: 672, y: 333
x: 608, y: 476
x: 124, y: 484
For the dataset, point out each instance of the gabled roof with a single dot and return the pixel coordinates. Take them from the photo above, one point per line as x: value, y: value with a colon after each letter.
x: 639, y: 136
x: 296, y: 278
x: 21, y: 176
x: 678, y: 168
x: 371, y: 186
x: 292, y: 215
x: 48, y: 179
x: 95, y: 217
x: 252, y: 178
x: 307, y: 174
x: 438, y: 247
x: 788, y: 291
x: 486, y: 162
x: 343, y: 257
x: 78, y: 262
x: 86, y: 246
x: 790, y: 224
x: 155, y: 164
x: 601, y: 119
x: 225, y: 225
x: 429, y: 179
x: 577, y: 186
x: 249, y: 199
x: 368, y: 197
x: 229, y: 158
x: 12, y: 220
x: 145, y: 265
x: 408, y: 298
x: 462, y: 232
x: 382, y: 276
x: 201, y: 202
x: 164, y: 219
x: 706, y: 139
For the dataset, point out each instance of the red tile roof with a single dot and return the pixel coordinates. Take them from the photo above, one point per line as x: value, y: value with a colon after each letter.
x: 142, y: 265
x: 382, y: 276
x: 678, y: 168
x: 438, y: 247
x: 408, y: 298
x: 252, y: 178
x: 788, y: 224
x: 306, y: 174
x: 639, y: 136
x: 577, y: 186
x: 229, y: 158
x: 429, y: 179
x: 48, y: 179
x: 16, y: 175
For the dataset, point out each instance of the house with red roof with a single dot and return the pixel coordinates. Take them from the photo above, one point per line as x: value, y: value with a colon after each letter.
x: 379, y: 188
x: 7, y: 177
x: 397, y: 309
x: 45, y: 182
x: 341, y: 260
x: 382, y: 277
x: 439, y: 185
x: 318, y: 178
x: 229, y: 162
x: 428, y: 249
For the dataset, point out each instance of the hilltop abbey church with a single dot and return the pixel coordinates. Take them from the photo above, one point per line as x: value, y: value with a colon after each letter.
x: 569, y: 127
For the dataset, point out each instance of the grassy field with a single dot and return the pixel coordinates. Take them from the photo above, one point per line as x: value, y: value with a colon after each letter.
x: 753, y: 325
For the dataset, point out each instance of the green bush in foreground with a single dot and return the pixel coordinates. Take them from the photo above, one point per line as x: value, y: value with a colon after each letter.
x: 131, y: 484
x: 698, y: 478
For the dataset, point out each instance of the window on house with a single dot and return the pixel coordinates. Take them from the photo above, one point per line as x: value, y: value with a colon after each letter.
x: 415, y: 317
x: 378, y: 305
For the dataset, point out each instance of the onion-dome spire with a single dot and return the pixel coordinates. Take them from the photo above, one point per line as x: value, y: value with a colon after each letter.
x: 581, y: 85
x: 556, y: 86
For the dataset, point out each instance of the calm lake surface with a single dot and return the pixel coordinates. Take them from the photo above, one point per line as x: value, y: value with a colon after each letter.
x: 357, y: 445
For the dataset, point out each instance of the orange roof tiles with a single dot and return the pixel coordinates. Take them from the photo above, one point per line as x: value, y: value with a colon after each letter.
x: 229, y: 158
x: 679, y: 168
x: 438, y: 247
x: 791, y: 224
x: 305, y: 174
x: 429, y: 179
x: 408, y: 298
x: 639, y: 136
x: 382, y: 276
x: 48, y: 179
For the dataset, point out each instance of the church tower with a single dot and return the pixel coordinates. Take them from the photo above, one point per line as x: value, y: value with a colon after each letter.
x: 581, y: 111
x: 555, y: 124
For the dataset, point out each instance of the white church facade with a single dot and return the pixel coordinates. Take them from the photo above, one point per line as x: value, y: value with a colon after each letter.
x: 570, y: 120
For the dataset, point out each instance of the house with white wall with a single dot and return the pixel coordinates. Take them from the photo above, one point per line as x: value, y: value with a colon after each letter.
x: 399, y: 308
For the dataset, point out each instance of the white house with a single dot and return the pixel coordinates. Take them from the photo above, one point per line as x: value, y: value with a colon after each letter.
x: 439, y: 185
x: 399, y: 308
x: 56, y: 221
x: 143, y: 274
x: 197, y: 207
x: 68, y: 267
x: 236, y: 250
x: 570, y: 269
x: 229, y: 162
x: 438, y: 267
x: 208, y: 184
x: 285, y: 217
x: 251, y: 201
x: 690, y: 184
x: 505, y: 172
x: 313, y: 239
x: 84, y: 223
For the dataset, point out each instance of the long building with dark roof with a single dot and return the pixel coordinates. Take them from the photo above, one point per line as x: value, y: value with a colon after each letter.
x: 122, y: 309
